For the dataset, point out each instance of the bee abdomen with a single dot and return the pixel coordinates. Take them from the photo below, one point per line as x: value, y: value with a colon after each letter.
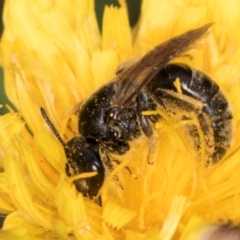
x: 214, y: 115
x: 216, y: 107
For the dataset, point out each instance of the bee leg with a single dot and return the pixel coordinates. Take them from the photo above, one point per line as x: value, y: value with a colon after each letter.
x: 148, y: 131
x: 127, y: 168
x: 116, y: 147
x: 108, y: 165
x: 145, y: 125
x: 145, y: 103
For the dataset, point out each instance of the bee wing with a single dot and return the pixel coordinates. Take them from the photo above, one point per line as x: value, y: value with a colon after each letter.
x: 137, y: 76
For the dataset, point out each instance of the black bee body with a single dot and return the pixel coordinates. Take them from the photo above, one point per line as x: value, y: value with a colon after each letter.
x: 211, y: 108
x: 93, y: 122
x: 213, y: 113
x: 113, y: 115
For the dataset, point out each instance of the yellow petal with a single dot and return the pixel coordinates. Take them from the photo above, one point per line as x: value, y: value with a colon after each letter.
x: 116, y: 215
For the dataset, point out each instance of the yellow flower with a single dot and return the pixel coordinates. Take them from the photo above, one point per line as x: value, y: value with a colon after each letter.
x: 54, y: 57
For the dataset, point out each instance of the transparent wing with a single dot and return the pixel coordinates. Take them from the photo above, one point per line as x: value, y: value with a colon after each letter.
x: 137, y: 76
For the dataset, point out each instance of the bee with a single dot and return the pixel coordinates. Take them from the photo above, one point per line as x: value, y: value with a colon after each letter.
x: 113, y: 116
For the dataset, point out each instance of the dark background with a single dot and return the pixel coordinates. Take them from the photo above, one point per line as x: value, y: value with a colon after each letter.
x: 133, y: 8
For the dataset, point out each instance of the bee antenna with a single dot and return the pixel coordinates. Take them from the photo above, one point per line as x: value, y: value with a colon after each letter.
x: 46, y: 118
